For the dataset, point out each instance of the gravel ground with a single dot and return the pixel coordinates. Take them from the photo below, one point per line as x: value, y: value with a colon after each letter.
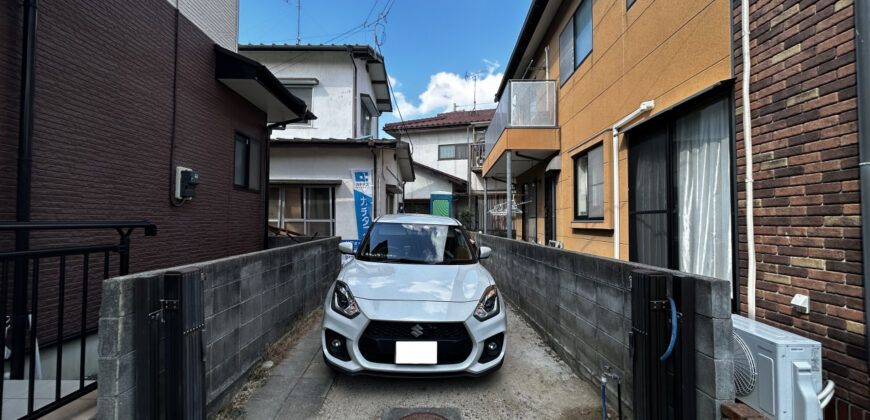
x: 533, y: 383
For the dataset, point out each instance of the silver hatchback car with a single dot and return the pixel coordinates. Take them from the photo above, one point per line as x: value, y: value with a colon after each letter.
x: 414, y: 301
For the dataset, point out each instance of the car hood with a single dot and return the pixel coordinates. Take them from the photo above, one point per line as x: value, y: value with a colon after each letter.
x: 416, y: 282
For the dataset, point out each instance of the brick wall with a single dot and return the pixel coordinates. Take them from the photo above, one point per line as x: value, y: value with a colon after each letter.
x: 250, y: 301
x: 582, y: 303
x: 103, y: 129
x: 808, y: 238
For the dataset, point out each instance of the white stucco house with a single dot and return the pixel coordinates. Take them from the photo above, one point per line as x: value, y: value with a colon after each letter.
x: 332, y: 175
x: 448, y: 157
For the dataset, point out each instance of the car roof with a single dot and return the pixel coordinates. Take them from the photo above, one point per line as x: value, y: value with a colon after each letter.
x: 427, y: 219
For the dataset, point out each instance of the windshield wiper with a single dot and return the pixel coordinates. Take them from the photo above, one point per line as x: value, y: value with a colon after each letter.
x: 404, y: 261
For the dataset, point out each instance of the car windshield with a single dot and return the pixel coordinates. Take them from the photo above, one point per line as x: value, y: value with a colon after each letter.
x: 413, y: 243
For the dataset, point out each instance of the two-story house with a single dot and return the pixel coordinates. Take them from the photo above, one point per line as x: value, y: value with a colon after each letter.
x: 632, y: 116
x: 104, y: 106
x: 448, y: 158
x: 332, y: 175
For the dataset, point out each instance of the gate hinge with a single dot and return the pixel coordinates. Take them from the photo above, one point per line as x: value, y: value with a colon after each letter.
x: 165, y: 304
x: 658, y: 305
x: 171, y: 304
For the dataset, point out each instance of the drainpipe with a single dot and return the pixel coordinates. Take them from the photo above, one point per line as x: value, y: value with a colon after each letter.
x: 353, y: 110
x: 485, y: 208
x: 862, y: 28
x: 23, y: 188
x: 547, y: 62
x: 747, y: 146
x: 375, y: 181
x: 644, y: 107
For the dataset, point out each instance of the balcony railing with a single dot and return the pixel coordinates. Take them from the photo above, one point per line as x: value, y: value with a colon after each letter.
x: 478, y: 155
x: 524, y: 103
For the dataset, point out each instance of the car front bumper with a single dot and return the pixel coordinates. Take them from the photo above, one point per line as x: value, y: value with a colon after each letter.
x: 352, y: 331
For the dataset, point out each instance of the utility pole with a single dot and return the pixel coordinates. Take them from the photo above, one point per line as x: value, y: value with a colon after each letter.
x: 298, y: 22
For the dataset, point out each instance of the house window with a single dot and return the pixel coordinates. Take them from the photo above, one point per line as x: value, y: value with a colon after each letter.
x: 303, y: 210
x: 575, y: 42
x: 304, y: 93
x: 365, y: 121
x: 589, y: 184
x: 680, y: 190
x: 453, y: 151
x: 246, y: 174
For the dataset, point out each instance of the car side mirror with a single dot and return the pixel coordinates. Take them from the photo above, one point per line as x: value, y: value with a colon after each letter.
x: 484, y: 252
x: 345, y: 247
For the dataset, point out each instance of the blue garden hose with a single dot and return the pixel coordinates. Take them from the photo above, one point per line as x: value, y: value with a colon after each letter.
x: 673, y: 331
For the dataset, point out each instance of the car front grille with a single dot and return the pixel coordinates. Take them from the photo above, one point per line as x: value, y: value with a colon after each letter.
x: 378, y: 342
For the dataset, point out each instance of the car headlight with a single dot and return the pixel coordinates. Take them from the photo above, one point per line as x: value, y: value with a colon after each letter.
x: 488, y: 306
x: 343, y: 301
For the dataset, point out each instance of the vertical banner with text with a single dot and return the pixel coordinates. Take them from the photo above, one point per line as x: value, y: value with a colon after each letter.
x: 362, y: 197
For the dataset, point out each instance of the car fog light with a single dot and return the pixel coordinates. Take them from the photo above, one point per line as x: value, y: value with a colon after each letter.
x: 335, y: 344
x: 492, y: 346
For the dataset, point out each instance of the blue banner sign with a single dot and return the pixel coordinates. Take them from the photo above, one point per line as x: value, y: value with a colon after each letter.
x: 362, y: 197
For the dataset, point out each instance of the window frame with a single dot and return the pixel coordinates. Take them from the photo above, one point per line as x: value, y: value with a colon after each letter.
x: 281, y: 221
x: 575, y: 161
x: 571, y: 25
x: 456, y: 148
x: 250, y: 143
x: 288, y: 86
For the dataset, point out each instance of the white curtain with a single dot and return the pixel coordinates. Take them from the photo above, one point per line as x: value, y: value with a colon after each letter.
x: 703, y: 177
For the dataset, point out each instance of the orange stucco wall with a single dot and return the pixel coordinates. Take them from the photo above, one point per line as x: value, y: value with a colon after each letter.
x: 663, y: 50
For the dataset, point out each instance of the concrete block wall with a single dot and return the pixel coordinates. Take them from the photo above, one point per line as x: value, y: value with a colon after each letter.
x: 581, y: 304
x: 250, y: 301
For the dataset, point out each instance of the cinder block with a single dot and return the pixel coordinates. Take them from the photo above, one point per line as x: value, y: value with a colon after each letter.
x: 712, y: 297
x: 225, y: 296
x: 612, y: 323
x: 713, y: 337
x: 250, y: 309
x: 715, y: 377
x: 610, y: 297
x: 250, y: 331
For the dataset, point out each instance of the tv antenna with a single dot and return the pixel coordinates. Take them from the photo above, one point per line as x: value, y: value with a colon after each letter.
x: 298, y: 22
x: 473, y: 76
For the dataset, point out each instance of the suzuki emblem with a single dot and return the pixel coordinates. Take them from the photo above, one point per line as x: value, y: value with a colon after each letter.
x: 417, y: 330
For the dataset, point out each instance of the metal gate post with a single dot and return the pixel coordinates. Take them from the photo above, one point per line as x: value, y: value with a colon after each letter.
x: 172, y: 346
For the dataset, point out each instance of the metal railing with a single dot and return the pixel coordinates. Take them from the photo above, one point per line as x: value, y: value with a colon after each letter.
x: 29, y: 307
x: 478, y: 156
x: 524, y: 103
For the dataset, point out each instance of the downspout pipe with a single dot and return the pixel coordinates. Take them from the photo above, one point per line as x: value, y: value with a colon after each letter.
x: 375, y: 181
x: 353, y: 110
x: 747, y: 146
x: 614, y: 147
x: 862, y: 43
x: 24, y: 186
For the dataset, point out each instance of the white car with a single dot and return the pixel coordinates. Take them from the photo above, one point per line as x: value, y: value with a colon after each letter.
x: 414, y: 301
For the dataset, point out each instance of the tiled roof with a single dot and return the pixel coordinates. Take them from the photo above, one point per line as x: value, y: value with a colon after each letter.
x: 446, y: 119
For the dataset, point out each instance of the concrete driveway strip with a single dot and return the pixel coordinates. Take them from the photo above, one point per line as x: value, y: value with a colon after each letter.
x: 532, y: 384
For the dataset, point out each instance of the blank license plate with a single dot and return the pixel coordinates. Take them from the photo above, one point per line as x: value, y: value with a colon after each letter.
x: 416, y: 352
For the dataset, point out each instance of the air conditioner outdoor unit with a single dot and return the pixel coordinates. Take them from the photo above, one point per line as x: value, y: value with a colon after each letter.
x: 778, y: 373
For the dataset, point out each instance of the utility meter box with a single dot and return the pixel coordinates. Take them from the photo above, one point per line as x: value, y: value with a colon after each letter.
x: 441, y: 204
x: 186, y: 180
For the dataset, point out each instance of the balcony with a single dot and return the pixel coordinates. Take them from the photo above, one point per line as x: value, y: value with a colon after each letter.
x: 525, y: 120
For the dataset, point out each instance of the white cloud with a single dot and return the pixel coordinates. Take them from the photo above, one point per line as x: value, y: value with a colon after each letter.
x: 446, y: 89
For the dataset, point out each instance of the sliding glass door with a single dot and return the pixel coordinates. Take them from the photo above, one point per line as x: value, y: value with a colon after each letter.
x: 680, y: 191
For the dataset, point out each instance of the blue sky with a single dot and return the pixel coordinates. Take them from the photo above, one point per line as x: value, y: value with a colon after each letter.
x: 428, y: 46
